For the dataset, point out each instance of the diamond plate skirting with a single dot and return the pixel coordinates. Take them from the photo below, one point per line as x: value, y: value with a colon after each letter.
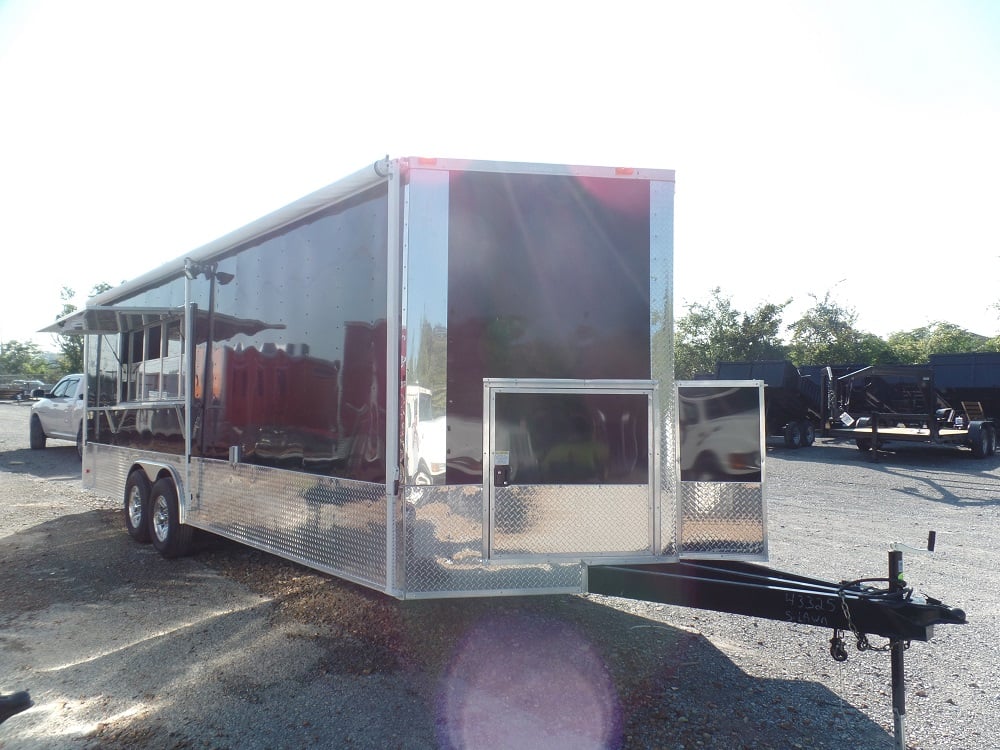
x: 106, y: 467
x: 335, y: 525
x: 339, y: 526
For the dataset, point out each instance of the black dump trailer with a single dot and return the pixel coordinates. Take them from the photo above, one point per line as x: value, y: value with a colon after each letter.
x: 970, y: 382
x: 796, y: 406
x: 902, y: 403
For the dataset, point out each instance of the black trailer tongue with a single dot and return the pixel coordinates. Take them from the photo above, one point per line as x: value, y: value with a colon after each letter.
x: 890, y: 609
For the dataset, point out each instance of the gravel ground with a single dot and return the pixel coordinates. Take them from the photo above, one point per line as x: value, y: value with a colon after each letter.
x: 232, y: 648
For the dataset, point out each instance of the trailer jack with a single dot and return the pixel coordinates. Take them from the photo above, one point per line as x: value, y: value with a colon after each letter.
x: 754, y: 590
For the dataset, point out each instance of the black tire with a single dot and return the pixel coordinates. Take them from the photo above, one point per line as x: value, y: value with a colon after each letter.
x: 793, y: 435
x: 991, y: 447
x: 864, y: 445
x: 136, y: 505
x: 37, y: 435
x: 808, y: 434
x: 981, y: 441
x: 169, y: 536
x: 79, y: 441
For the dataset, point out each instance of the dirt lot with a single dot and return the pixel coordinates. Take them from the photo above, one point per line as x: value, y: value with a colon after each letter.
x: 231, y: 648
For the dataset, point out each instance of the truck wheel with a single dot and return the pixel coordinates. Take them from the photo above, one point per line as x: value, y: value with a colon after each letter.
x: 137, y: 491
x: 793, y: 435
x: 37, y: 435
x: 79, y: 441
x: 169, y: 536
x: 808, y: 434
x: 991, y: 447
x: 864, y: 445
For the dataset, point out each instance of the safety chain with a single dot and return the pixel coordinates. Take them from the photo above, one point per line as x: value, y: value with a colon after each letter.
x: 837, y: 649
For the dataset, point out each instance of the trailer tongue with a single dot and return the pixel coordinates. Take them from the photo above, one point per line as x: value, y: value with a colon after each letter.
x: 891, y: 611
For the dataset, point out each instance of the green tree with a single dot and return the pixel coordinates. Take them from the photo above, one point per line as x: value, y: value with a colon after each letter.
x: 915, y: 347
x: 23, y: 359
x: 71, y: 345
x: 826, y: 334
x: 714, y: 331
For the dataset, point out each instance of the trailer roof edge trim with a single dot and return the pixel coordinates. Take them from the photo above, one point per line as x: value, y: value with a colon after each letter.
x: 465, y: 165
x: 363, y: 179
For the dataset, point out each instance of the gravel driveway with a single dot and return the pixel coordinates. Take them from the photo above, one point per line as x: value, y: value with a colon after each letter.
x: 231, y: 648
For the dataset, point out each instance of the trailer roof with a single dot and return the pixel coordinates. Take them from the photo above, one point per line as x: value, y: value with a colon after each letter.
x: 374, y: 174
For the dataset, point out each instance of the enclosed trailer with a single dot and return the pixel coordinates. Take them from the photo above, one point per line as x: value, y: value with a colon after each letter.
x: 447, y: 378
x: 433, y: 378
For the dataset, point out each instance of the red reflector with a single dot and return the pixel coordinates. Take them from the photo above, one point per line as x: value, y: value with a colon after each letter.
x: 425, y: 162
x: 624, y: 170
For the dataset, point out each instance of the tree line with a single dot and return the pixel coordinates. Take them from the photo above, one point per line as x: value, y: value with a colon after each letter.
x: 827, y: 334
x: 711, y: 331
x: 27, y: 360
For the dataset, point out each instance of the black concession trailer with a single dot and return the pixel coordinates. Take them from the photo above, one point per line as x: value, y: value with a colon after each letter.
x: 442, y: 378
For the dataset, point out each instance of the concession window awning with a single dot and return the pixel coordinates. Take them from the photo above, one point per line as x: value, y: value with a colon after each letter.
x: 96, y: 320
x: 111, y: 319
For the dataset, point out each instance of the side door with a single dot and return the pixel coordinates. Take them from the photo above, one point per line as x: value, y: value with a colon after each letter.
x: 569, y: 469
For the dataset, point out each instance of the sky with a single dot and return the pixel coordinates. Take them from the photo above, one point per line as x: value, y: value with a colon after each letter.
x: 844, y: 148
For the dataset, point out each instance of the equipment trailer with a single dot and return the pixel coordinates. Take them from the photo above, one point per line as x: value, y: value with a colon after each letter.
x: 883, y: 404
x: 442, y: 378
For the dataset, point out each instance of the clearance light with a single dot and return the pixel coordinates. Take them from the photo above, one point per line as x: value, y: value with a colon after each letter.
x: 624, y: 171
x: 424, y: 161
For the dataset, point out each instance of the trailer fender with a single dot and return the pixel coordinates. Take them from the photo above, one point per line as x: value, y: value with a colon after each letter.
x: 156, y: 470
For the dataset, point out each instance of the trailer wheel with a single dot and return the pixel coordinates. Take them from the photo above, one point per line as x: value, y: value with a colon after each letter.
x: 137, y: 492
x: 169, y: 536
x: 864, y: 445
x: 793, y: 435
x: 808, y: 433
x: 991, y: 447
x: 980, y: 441
x: 36, y: 434
x: 79, y: 441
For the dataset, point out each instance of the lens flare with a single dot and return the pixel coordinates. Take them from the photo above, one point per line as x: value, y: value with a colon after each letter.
x: 521, y: 681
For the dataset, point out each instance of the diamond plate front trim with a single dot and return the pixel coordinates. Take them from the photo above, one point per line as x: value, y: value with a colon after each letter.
x: 722, y: 518
x: 661, y: 339
x: 571, y: 519
x: 445, y: 550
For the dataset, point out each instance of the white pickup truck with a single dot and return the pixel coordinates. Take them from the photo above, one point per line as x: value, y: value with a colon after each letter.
x: 59, y: 414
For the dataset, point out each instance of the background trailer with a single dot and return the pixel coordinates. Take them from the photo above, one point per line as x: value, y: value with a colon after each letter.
x: 433, y: 378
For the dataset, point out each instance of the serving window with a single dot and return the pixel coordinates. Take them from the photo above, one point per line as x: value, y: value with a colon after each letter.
x: 152, y: 361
